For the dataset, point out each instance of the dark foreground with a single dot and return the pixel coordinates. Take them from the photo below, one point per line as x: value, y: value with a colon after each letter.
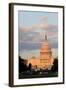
x: 27, y: 71
x: 37, y: 74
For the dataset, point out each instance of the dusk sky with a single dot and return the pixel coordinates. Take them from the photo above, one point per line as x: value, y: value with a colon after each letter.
x: 32, y: 27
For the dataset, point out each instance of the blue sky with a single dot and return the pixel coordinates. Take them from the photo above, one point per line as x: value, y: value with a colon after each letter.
x: 33, y: 17
x: 33, y: 26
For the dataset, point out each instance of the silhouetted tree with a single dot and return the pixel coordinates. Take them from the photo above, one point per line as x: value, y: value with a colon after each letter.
x: 55, y: 65
x: 30, y: 66
x: 22, y: 65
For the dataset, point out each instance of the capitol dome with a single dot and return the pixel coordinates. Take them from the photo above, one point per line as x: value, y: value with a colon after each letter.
x: 45, y: 60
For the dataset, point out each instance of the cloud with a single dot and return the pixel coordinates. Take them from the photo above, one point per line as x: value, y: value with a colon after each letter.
x: 41, y: 26
x: 31, y: 38
x: 47, y: 26
x: 36, y: 45
x: 29, y: 49
x: 28, y: 46
x: 52, y: 35
x: 52, y: 27
x: 24, y: 29
x: 54, y: 52
x: 43, y: 19
x: 27, y: 36
x: 37, y: 37
x: 30, y: 53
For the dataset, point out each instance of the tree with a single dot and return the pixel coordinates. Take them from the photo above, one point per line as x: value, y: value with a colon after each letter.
x: 55, y: 65
x: 30, y: 66
x: 22, y: 65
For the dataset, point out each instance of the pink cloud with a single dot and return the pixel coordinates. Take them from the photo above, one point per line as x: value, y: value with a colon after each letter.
x: 43, y: 18
x: 24, y: 29
x: 42, y: 26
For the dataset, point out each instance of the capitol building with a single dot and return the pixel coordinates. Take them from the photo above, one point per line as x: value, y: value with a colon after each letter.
x: 45, y: 59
